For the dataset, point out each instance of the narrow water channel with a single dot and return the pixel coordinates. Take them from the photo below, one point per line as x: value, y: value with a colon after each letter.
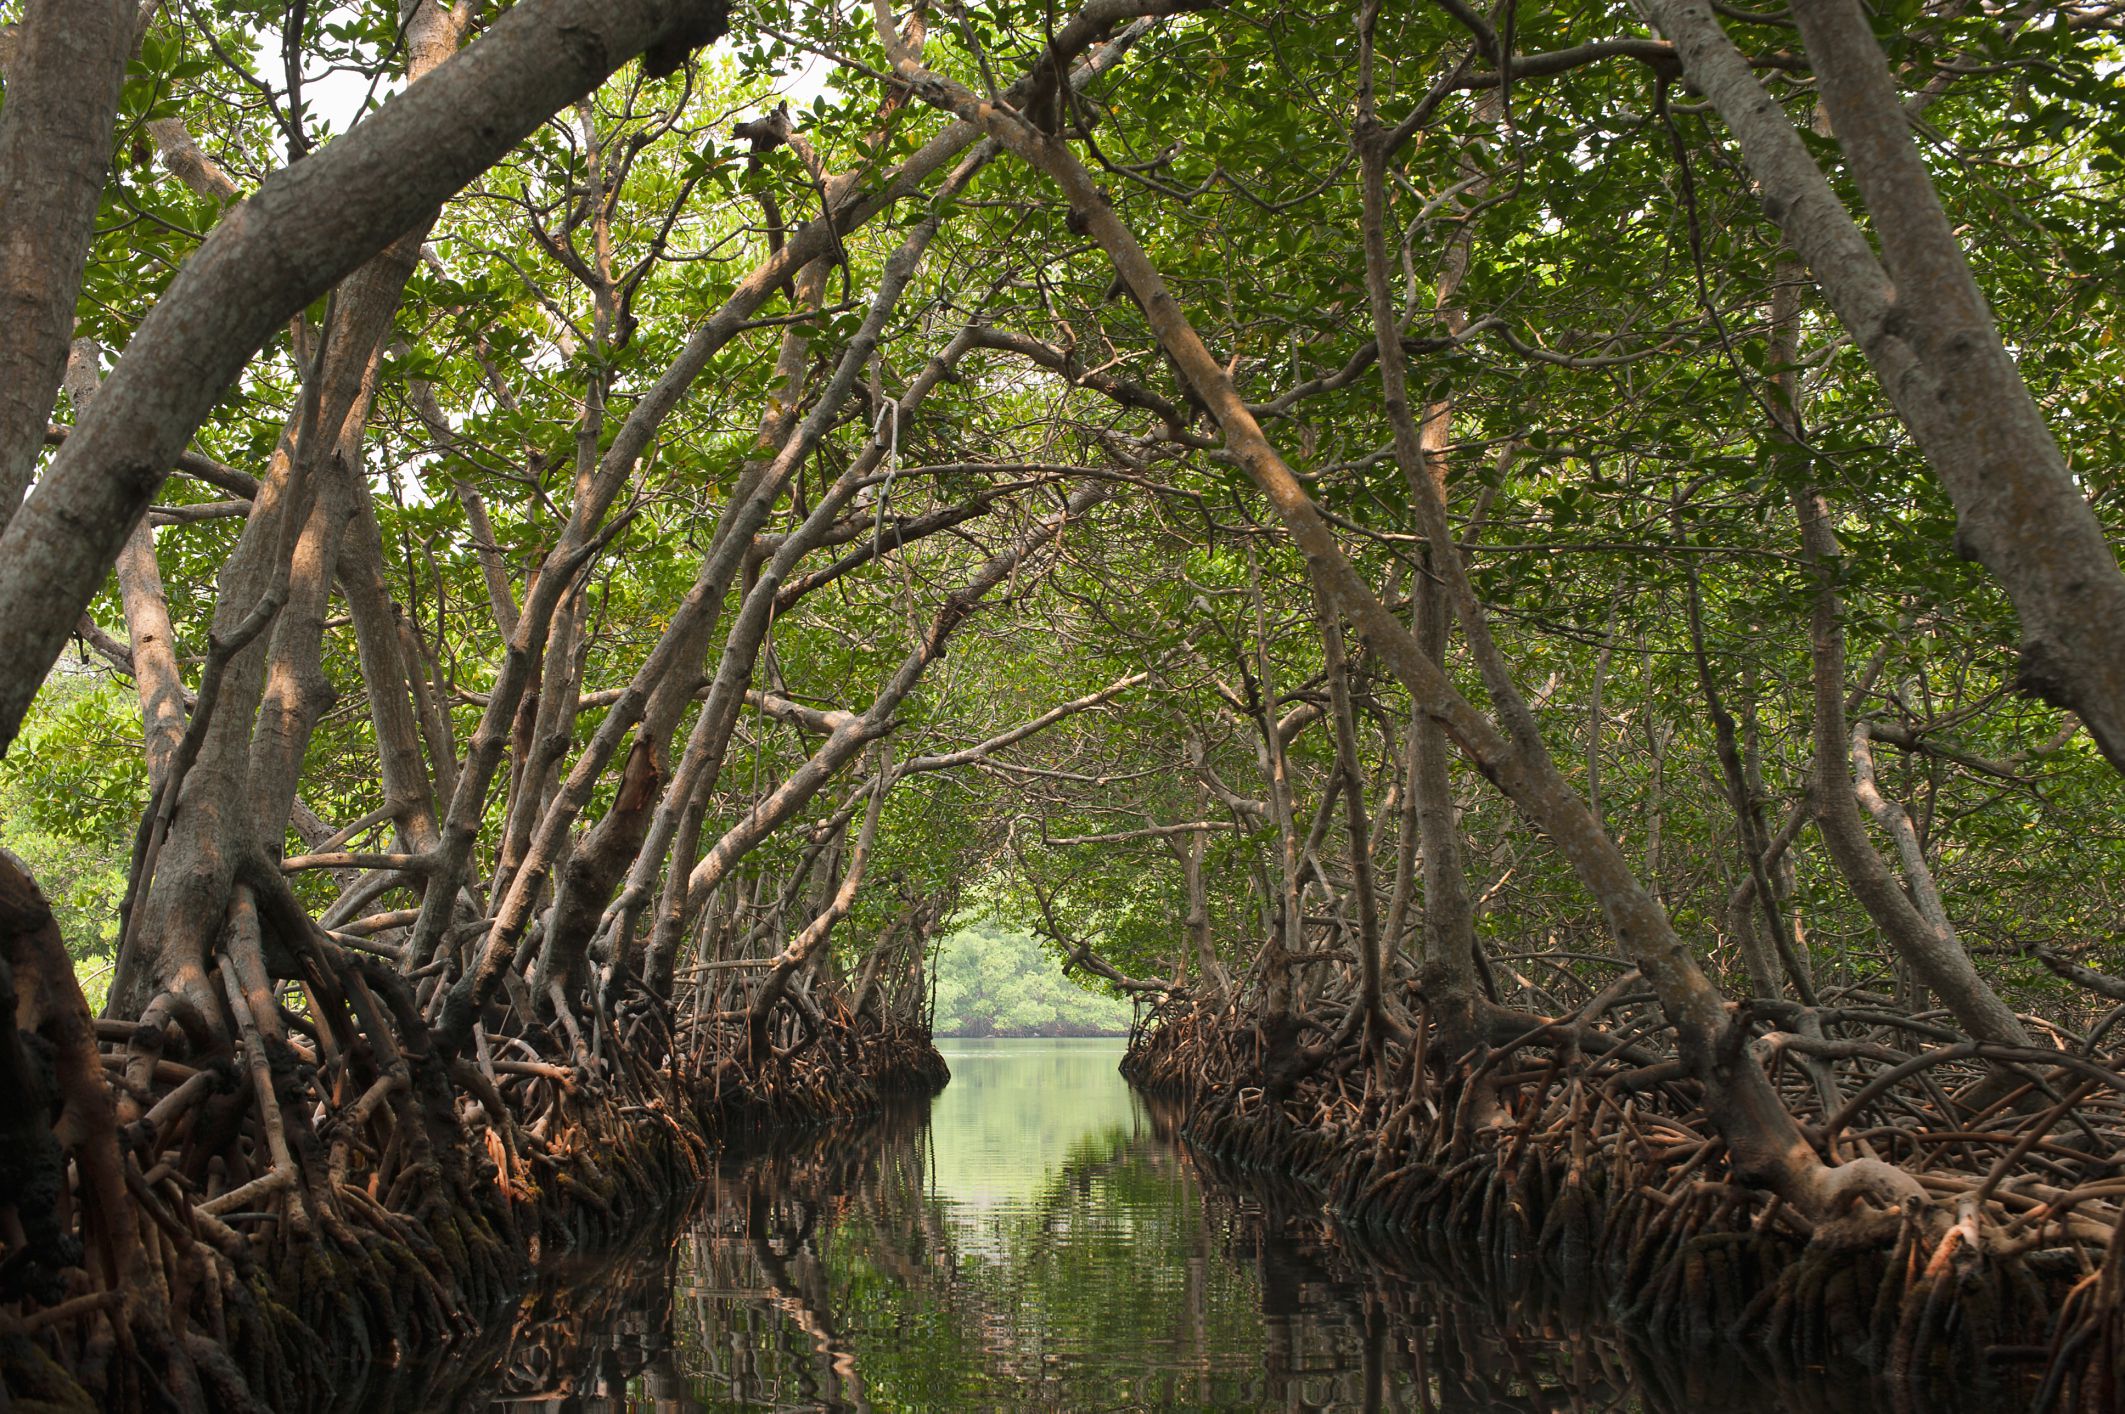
x: 1036, y: 1239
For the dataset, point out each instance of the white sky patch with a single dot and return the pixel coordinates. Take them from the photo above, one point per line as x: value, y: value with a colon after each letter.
x: 808, y: 81
x: 336, y: 98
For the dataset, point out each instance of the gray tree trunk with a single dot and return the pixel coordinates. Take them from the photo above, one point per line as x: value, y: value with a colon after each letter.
x: 55, y: 145
x: 1928, y: 332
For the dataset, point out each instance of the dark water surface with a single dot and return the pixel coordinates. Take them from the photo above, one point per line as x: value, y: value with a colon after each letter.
x: 1037, y: 1240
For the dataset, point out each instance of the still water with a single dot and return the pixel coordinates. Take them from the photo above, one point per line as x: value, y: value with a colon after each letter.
x: 1036, y: 1239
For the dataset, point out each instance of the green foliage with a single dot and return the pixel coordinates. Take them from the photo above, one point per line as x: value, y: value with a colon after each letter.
x: 71, y: 789
x: 994, y: 980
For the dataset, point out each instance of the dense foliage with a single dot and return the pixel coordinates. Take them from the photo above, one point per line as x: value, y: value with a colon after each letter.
x: 70, y: 791
x: 993, y: 980
x: 1606, y: 348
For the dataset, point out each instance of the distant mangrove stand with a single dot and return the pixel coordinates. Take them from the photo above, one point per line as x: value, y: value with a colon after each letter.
x: 993, y: 980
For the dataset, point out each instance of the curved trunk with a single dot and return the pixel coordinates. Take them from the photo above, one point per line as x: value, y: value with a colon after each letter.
x: 235, y: 799
x: 1937, y: 957
x: 306, y: 228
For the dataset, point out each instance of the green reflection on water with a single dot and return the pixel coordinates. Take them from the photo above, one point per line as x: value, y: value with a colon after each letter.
x: 1017, y: 1111
x: 1038, y: 1249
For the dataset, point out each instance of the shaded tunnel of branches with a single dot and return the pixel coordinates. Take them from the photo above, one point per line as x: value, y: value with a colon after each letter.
x: 1541, y: 590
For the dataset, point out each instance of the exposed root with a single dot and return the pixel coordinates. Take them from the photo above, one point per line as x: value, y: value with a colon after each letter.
x: 292, y: 1212
x: 1951, y: 1245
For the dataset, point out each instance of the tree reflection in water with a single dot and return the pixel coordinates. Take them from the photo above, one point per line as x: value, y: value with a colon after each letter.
x: 1047, y: 1243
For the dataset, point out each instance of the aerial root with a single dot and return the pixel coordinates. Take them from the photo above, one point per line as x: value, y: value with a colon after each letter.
x: 842, y: 1065
x: 290, y: 1193
x: 1948, y: 1248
